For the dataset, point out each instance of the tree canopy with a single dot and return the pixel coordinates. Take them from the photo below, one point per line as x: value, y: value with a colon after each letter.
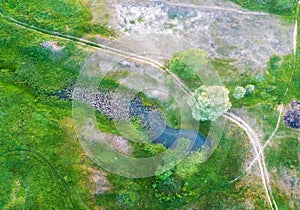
x: 187, y: 63
x: 209, y: 102
x: 239, y: 92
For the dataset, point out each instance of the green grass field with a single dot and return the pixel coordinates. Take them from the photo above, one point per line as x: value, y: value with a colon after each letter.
x: 42, y: 165
x: 70, y: 17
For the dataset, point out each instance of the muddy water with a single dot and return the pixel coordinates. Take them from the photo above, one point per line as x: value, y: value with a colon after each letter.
x: 153, y: 122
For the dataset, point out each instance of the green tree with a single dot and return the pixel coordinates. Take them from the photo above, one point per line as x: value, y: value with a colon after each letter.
x: 171, y: 158
x: 239, y: 92
x: 209, y: 102
x: 186, y: 63
x: 249, y: 89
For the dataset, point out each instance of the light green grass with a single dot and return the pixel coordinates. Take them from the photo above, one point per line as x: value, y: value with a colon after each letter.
x: 71, y: 17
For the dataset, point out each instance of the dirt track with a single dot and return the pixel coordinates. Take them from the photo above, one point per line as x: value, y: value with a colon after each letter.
x: 222, y: 29
x: 252, y: 136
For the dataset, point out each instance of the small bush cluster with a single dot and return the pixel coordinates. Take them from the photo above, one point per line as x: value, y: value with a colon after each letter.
x: 240, y: 92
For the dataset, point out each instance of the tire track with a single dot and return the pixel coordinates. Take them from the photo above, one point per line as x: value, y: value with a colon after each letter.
x: 258, y: 149
x: 40, y: 158
x: 230, y: 116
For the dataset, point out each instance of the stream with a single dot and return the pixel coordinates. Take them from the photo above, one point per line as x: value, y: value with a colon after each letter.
x: 119, y: 107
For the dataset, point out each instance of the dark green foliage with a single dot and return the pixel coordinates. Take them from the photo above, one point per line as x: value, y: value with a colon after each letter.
x: 167, y: 190
x: 182, y: 69
x: 274, y: 63
x: 279, y: 7
x: 186, y: 64
x: 127, y: 199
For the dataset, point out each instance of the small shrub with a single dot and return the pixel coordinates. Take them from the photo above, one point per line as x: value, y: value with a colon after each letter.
x: 249, y: 89
x: 239, y: 92
x: 127, y: 199
x: 209, y: 102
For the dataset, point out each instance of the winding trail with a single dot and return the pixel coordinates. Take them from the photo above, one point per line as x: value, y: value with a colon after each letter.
x: 291, y: 77
x: 258, y: 149
x: 43, y: 160
x: 286, y: 91
x: 253, y: 137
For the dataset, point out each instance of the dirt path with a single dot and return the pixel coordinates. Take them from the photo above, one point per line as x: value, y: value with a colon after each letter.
x: 73, y: 196
x: 285, y: 94
x: 291, y: 78
x: 230, y: 116
x: 258, y: 149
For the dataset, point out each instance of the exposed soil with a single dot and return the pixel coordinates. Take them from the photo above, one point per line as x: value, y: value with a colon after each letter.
x: 288, y: 182
x: 100, y: 180
x: 222, y: 29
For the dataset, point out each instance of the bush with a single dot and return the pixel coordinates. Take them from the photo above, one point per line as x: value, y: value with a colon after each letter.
x: 186, y: 64
x: 239, y: 92
x: 127, y: 199
x: 249, y: 89
x: 209, y: 102
x: 167, y: 190
x: 190, y: 165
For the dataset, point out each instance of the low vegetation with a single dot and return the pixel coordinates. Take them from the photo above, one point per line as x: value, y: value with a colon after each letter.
x: 286, y: 8
x: 239, y: 92
x: 262, y: 95
x: 70, y: 17
x: 209, y: 102
x: 42, y: 163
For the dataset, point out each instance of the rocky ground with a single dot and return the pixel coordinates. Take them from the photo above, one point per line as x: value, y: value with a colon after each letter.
x: 292, y: 116
x: 120, y: 107
x: 222, y: 29
x: 157, y: 29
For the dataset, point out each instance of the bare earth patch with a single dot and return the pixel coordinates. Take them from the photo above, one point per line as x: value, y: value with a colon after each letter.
x: 99, y: 178
x: 222, y: 29
x: 289, y: 183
